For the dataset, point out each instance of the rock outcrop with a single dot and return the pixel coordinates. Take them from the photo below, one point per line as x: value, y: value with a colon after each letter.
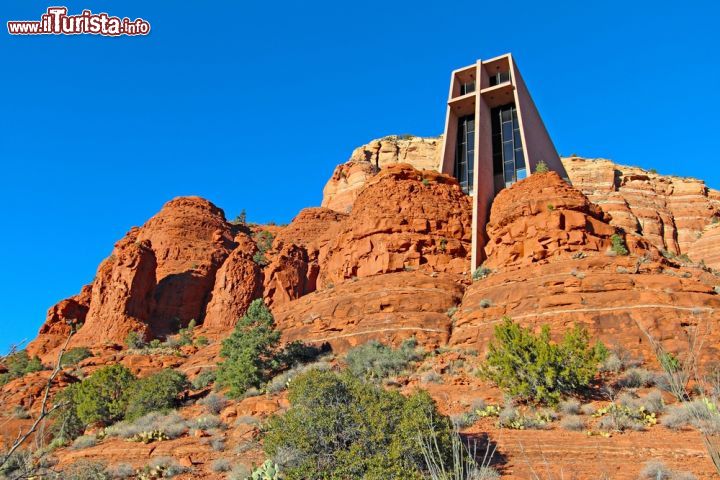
x: 668, y: 211
x: 403, y: 219
x: 542, y: 217
x: 421, y: 153
x: 389, y: 308
x: 122, y: 294
x: 237, y: 283
x: 294, y: 260
x: 191, y: 239
x: 61, y: 319
x: 348, y: 179
x: 707, y: 247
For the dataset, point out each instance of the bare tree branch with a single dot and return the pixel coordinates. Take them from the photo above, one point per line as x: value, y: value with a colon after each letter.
x: 44, y: 410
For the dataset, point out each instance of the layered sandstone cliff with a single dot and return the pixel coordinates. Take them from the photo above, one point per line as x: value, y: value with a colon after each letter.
x: 670, y: 212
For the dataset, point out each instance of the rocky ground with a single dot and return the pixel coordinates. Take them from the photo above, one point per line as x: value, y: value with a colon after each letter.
x: 386, y: 258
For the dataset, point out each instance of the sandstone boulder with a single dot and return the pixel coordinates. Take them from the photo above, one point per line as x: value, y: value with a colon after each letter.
x: 294, y: 260
x: 403, y: 219
x: 543, y: 216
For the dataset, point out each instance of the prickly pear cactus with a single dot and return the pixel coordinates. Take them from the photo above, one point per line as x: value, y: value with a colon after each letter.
x: 266, y: 471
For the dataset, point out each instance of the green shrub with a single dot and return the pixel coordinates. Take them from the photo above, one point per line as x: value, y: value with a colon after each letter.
x: 19, y: 364
x: 103, y: 396
x: 66, y: 424
x: 204, y: 378
x: 135, y: 341
x: 75, y: 356
x: 618, y: 245
x: 249, y: 352
x: 340, y: 427
x: 533, y: 368
x: 158, y: 392
x: 263, y: 240
x: 480, y: 273
x: 159, y: 425
x: 86, y: 470
x: 373, y: 360
x: 542, y: 167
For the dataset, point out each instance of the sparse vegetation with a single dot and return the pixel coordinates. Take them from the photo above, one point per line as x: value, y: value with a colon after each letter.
x: 204, y: 379
x: 86, y: 470
x: 75, y: 356
x: 19, y: 364
x: 480, y: 273
x: 573, y: 423
x: 214, y: 403
x: 442, y: 245
x: 135, y: 341
x: 621, y: 416
x: 165, y: 426
x: 221, y: 465
x: 541, y: 167
x: 84, y: 441
x: 656, y: 470
x: 263, y: 240
x: 531, y: 367
x: 569, y: 407
x: 485, y: 303
x: 241, y: 218
x: 636, y: 378
x: 374, y: 361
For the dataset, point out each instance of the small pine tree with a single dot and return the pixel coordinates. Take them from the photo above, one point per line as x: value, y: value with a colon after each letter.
x: 249, y: 351
x: 531, y: 367
x: 103, y: 397
x: 157, y: 392
x: 618, y: 245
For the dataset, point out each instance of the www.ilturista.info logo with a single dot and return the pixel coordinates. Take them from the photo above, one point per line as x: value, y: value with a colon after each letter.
x: 57, y: 22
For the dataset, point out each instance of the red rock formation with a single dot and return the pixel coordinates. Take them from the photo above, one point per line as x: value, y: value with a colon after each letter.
x: 389, y: 308
x: 707, y: 247
x: 550, y: 266
x: 122, y: 294
x: 543, y: 216
x: 191, y: 239
x: 348, y: 179
x: 668, y: 211
x: 293, y: 268
x: 57, y: 326
x: 237, y: 283
x: 403, y: 218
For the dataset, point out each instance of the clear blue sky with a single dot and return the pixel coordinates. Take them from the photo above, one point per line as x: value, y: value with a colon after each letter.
x: 252, y: 104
